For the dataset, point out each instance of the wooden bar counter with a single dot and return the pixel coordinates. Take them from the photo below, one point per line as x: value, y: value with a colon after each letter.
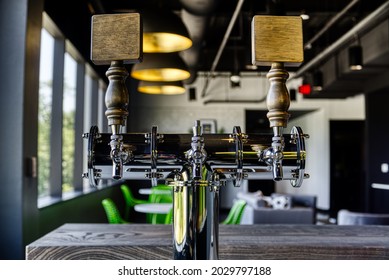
x: 277, y: 242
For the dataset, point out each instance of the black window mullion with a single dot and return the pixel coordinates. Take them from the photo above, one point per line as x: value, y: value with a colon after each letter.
x: 94, y: 101
x: 56, y: 119
x: 79, y: 118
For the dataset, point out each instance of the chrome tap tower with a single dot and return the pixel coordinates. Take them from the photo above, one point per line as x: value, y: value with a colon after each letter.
x: 197, y: 165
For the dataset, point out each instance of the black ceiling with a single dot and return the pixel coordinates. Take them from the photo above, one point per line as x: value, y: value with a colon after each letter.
x: 73, y: 18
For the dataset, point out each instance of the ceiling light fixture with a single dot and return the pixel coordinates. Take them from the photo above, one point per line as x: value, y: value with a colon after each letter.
x: 235, y: 79
x: 166, y: 88
x: 164, y: 31
x: 304, y: 15
x: 160, y: 67
x: 355, y: 58
x: 317, y: 81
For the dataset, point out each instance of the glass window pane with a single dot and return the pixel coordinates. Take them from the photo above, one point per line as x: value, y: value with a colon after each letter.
x: 68, y: 122
x: 44, y: 114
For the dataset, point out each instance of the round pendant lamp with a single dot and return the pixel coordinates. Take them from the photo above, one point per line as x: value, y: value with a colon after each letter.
x: 160, y: 67
x: 167, y: 88
x: 164, y: 31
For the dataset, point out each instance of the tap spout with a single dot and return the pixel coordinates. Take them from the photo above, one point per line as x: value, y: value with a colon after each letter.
x: 117, y: 156
x: 197, y: 154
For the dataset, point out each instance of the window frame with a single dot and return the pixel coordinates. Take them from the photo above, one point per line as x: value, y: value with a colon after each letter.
x: 89, y: 107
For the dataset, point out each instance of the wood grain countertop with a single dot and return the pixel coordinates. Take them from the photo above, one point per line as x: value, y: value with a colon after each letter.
x: 276, y: 242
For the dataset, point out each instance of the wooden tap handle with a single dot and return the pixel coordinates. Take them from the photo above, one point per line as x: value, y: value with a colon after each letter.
x: 116, y: 37
x: 277, y: 40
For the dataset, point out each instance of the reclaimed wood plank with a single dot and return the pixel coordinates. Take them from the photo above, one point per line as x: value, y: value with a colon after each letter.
x: 144, y: 241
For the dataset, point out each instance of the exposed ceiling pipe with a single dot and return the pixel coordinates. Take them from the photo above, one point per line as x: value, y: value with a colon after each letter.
x: 196, y: 25
x: 332, y: 21
x: 199, y: 7
x: 222, y: 45
x: 195, y: 15
x: 368, y: 22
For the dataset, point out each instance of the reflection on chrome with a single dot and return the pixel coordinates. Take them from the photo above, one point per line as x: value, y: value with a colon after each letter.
x: 197, y: 167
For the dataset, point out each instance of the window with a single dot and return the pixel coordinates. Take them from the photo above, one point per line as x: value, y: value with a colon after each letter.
x: 68, y: 123
x: 44, y: 115
x: 68, y: 105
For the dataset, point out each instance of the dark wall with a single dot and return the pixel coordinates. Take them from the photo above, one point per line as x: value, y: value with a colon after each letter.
x: 83, y: 209
x: 347, y: 166
x: 377, y: 133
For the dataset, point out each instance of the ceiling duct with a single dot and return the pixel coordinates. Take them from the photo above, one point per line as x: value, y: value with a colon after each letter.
x: 195, y: 15
x: 199, y: 7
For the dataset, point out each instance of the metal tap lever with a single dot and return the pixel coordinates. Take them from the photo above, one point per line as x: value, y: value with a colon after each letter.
x: 118, y: 155
x: 197, y: 155
x: 153, y: 138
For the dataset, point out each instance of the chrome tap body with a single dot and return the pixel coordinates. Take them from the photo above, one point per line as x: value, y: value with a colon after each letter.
x: 116, y: 101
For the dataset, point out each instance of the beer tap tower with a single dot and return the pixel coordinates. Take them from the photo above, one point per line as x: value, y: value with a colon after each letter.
x: 196, y: 166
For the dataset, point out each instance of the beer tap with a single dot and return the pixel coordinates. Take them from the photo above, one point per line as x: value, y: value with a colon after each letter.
x: 111, y: 37
x: 197, y: 155
x: 277, y: 40
x: 116, y: 101
x: 196, y: 175
x: 278, y: 102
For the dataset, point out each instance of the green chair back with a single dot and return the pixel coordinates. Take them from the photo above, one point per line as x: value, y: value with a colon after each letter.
x: 157, y: 197
x: 161, y: 194
x: 236, y: 212
x: 169, y: 217
x: 130, y: 200
x: 112, y: 212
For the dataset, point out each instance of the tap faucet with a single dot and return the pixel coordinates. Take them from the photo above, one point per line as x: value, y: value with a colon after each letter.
x: 116, y: 101
x: 107, y: 31
x: 277, y: 40
x: 197, y: 154
x: 278, y: 102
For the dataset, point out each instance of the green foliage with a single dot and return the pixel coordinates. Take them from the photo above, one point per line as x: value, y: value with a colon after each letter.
x: 44, y: 125
x: 68, y: 139
x: 44, y: 143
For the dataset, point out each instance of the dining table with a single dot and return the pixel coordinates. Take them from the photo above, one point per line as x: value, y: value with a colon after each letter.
x: 239, y: 242
x: 149, y: 191
x: 153, y: 208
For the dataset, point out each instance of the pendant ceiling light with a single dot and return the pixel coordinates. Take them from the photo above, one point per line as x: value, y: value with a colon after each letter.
x: 167, y: 88
x: 160, y: 67
x: 164, y: 31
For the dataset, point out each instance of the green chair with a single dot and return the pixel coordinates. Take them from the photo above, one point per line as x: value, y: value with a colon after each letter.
x: 235, y: 214
x: 161, y: 194
x: 169, y: 217
x: 112, y: 212
x: 130, y: 200
x: 157, y: 197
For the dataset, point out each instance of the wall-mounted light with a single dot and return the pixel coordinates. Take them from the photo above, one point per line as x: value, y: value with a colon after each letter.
x: 235, y: 79
x: 159, y: 67
x: 317, y: 81
x: 355, y: 58
x: 305, y: 89
x: 167, y: 88
x: 164, y: 31
x: 304, y: 15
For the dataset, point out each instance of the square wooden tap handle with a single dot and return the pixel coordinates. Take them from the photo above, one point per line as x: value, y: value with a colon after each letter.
x: 116, y: 37
x: 277, y: 39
